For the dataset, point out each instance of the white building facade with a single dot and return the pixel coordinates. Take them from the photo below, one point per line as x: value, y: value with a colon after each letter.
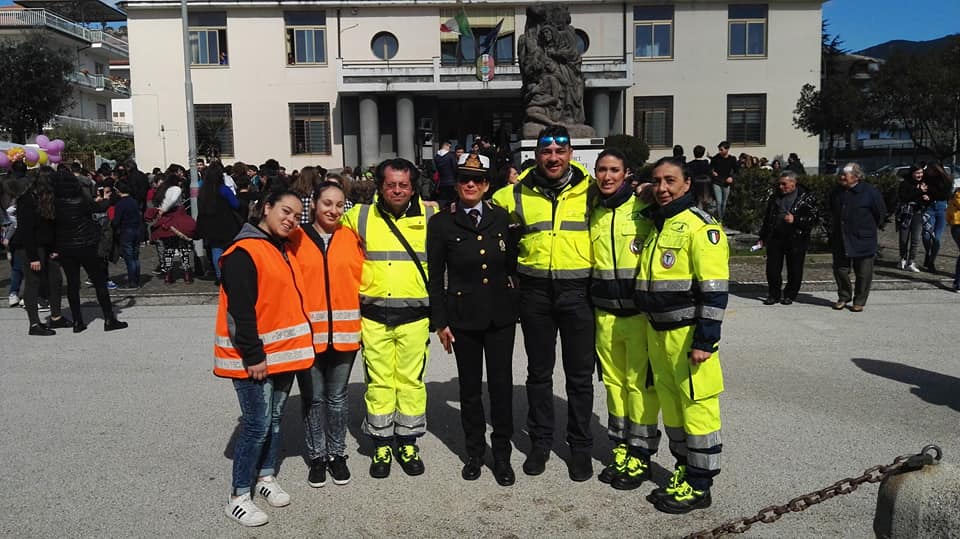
x: 350, y: 83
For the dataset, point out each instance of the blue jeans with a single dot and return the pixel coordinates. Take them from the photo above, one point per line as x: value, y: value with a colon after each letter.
x: 936, y: 223
x: 130, y: 251
x: 255, y: 453
x: 16, y: 272
x: 323, y: 389
x: 721, y: 193
x: 215, y: 254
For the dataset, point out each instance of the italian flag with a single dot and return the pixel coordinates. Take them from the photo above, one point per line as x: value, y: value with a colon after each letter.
x: 457, y: 25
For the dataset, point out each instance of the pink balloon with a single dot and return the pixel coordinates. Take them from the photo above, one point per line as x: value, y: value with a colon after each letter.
x: 60, y: 145
x: 30, y: 154
x: 4, y: 160
x: 43, y: 141
x: 54, y: 158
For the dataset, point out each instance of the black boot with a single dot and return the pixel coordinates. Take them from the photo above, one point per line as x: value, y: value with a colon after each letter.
x: 78, y: 325
x: 112, y: 324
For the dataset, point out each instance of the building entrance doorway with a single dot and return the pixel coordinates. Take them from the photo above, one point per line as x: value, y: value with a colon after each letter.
x: 463, y: 119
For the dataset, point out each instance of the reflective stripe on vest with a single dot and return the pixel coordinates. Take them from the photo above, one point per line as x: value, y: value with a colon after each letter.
x: 274, y: 359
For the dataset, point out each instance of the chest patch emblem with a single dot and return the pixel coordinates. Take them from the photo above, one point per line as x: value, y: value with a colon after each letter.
x: 713, y: 236
x: 668, y: 259
x: 636, y: 245
x: 503, y: 246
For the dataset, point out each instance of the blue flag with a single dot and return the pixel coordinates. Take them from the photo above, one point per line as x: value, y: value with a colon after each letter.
x: 487, y: 41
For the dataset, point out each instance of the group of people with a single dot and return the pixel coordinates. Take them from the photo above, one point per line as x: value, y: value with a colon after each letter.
x: 921, y: 214
x: 639, y: 281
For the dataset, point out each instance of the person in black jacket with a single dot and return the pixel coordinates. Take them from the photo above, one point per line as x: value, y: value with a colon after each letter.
x: 77, y: 236
x: 34, y: 241
x: 791, y: 213
x: 218, y: 220
x: 476, y: 314
x: 912, y: 200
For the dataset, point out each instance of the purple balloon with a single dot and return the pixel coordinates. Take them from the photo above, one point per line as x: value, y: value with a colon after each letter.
x: 31, y: 154
x: 54, y: 158
x: 4, y: 160
x: 60, y: 144
x: 43, y: 141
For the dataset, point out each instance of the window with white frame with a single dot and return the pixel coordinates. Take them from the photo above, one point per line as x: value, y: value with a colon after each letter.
x: 208, y: 38
x: 747, y: 119
x: 653, y: 120
x: 747, y: 28
x: 306, y: 37
x: 310, y: 128
x: 653, y: 32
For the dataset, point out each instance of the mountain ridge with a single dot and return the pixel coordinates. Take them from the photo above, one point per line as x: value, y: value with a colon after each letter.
x: 886, y: 49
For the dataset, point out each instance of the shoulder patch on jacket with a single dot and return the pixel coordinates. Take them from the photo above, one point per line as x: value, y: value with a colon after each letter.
x: 704, y: 216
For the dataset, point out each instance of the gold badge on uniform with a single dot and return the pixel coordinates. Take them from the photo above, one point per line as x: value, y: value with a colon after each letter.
x: 668, y: 259
x: 503, y: 246
x: 636, y: 245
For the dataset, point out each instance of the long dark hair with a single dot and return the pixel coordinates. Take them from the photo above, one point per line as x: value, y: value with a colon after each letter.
x: 42, y: 189
x: 212, y: 180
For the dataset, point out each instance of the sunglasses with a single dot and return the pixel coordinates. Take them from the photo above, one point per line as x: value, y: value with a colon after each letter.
x: 546, y: 141
x: 468, y: 179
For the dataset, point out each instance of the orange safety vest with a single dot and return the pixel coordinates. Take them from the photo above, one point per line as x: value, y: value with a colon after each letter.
x: 333, y: 286
x: 282, y: 322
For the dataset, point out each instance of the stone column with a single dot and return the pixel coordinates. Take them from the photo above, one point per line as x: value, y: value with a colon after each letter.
x: 616, y: 112
x: 350, y: 122
x: 406, y: 135
x: 601, y: 113
x: 369, y: 131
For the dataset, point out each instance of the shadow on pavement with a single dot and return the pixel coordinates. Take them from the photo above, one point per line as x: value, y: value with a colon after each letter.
x: 933, y: 387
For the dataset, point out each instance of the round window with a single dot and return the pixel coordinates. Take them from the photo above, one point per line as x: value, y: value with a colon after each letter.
x: 384, y: 45
x: 583, y: 41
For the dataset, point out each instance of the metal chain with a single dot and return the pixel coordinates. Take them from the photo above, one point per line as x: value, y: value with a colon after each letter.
x: 767, y: 515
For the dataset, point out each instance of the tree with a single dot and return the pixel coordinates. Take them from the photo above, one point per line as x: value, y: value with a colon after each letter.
x: 33, y: 84
x: 920, y: 94
x: 838, y: 107
x: 77, y: 139
x: 636, y: 150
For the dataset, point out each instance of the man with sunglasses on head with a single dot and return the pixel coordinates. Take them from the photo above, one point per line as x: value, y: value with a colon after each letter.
x: 549, y: 206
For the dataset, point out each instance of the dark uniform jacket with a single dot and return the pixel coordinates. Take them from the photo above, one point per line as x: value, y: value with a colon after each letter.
x: 477, y: 262
x: 857, y: 213
x: 805, y: 216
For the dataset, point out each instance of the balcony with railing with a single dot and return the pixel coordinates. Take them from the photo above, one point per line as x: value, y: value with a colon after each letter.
x: 432, y: 75
x: 100, y: 83
x: 41, y: 18
x: 97, y: 126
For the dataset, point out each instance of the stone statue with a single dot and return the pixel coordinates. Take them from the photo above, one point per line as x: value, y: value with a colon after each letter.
x: 552, y: 90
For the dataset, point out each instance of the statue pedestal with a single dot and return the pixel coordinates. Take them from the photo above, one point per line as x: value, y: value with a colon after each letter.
x: 531, y: 130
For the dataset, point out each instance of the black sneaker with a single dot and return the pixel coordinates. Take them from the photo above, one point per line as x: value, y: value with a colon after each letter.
x: 616, y: 465
x: 338, y: 470
x: 62, y: 322
x: 380, y: 463
x: 771, y: 301
x: 580, y: 467
x: 684, y: 500
x: 318, y: 473
x: 409, y: 457
x: 114, y: 324
x: 41, y: 330
x: 536, y: 461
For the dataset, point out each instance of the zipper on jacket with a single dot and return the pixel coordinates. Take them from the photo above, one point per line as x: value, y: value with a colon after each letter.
x: 613, y: 252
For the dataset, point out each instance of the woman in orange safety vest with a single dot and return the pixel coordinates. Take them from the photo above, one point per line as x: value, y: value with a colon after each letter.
x: 330, y: 258
x: 263, y: 337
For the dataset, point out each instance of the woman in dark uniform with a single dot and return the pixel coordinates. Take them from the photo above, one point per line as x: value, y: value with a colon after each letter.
x: 475, y: 315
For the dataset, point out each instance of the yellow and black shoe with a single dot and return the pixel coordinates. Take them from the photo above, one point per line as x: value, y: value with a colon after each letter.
x: 685, y: 499
x: 616, y: 465
x: 380, y: 464
x: 635, y: 472
x: 409, y: 457
x: 678, y: 478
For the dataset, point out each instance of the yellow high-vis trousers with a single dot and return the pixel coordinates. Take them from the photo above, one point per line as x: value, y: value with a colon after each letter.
x: 395, y: 358
x: 632, y: 404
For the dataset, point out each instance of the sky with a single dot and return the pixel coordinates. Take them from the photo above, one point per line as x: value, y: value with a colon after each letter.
x: 864, y: 23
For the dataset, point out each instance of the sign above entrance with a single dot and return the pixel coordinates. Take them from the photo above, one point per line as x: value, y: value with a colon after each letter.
x: 485, y: 66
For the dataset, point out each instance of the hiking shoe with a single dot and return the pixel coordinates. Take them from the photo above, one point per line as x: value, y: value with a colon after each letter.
x: 244, y: 511
x: 338, y: 470
x: 380, y: 463
x: 270, y: 489
x: 635, y: 472
x: 616, y: 465
x: 684, y: 500
x: 679, y: 477
x: 409, y: 457
x: 318, y: 473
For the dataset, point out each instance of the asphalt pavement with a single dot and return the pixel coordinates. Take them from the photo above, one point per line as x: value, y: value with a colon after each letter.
x: 128, y: 434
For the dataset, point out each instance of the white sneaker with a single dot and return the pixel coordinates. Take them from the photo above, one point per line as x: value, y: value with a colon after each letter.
x: 270, y: 489
x: 912, y: 266
x: 903, y: 263
x: 14, y: 300
x: 244, y: 511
